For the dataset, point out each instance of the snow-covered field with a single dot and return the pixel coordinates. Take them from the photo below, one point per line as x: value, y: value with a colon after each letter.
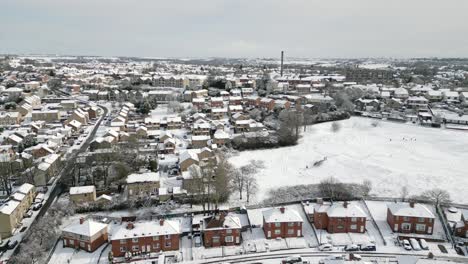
x: 391, y: 155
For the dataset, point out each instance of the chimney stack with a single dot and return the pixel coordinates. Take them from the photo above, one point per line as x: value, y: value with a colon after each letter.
x: 345, y: 204
x: 281, y: 69
x: 319, y: 201
x: 411, y: 204
x: 161, y: 222
x: 130, y: 226
x: 282, y: 209
x: 82, y: 220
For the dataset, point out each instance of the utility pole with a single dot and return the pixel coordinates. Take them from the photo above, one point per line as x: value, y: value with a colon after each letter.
x: 281, y: 69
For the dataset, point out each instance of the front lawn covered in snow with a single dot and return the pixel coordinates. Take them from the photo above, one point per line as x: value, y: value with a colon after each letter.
x: 391, y: 155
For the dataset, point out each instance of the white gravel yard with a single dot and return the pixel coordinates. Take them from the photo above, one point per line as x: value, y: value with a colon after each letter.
x: 391, y: 155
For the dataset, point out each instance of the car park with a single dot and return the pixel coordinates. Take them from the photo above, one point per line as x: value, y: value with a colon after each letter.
x: 415, y: 244
x: 406, y: 244
x: 325, y: 247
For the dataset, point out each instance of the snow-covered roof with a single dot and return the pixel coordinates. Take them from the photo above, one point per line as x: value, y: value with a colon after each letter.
x: 9, y: 207
x: 275, y: 215
x: 142, y: 177
x: 221, y: 134
x: 405, y: 209
x: 147, y: 229
x: 87, y: 228
x: 82, y: 189
x: 338, y: 210
x: 25, y: 188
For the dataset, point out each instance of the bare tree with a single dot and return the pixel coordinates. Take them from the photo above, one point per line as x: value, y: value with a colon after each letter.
x: 366, y: 187
x: 7, y: 171
x: 238, y: 181
x: 436, y: 196
x: 404, y: 193
x: 251, y: 186
x: 334, y: 189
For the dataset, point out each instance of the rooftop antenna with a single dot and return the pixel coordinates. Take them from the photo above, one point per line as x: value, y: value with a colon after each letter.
x: 281, y: 69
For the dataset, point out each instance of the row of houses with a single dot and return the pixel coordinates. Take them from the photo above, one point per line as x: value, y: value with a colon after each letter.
x: 224, y: 228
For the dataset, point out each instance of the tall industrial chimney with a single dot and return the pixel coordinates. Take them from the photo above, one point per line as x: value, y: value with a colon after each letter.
x: 282, y: 57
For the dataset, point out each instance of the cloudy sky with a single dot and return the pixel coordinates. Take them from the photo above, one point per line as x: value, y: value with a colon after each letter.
x: 236, y: 28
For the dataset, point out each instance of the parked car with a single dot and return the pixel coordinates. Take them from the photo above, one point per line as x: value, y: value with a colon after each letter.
x: 325, y: 247
x: 4, y: 244
x: 459, y: 250
x: 197, y: 240
x: 423, y: 244
x: 351, y: 247
x: 28, y: 214
x: 407, y: 245
x: 415, y: 244
x: 322, y: 261
x: 12, y: 244
x: 368, y: 247
x: 353, y: 256
x: 37, y: 206
x: 292, y: 259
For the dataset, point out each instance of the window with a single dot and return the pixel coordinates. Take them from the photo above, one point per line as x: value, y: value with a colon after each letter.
x: 406, y: 226
x: 421, y: 219
x: 155, y: 238
x: 123, y: 241
x: 290, y: 231
x: 156, y: 246
x: 353, y: 219
x: 229, y: 239
x: 135, y: 240
x: 420, y: 227
x: 82, y: 244
x: 135, y: 248
x: 123, y: 249
x: 168, y: 244
x: 340, y: 226
x: 229, y: 231
x: 353, y: 227
x: 277, y: 224
x: 405, y: 218
x: 277, y: 232
x: 215, y: 239
x: 290, y: 224
x: 167, y: 236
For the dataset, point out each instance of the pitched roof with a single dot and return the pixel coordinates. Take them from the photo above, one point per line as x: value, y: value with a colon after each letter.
x: 87, y: 228
x: 404, y: 209
x: 147, y: 229
x: 274, y: 215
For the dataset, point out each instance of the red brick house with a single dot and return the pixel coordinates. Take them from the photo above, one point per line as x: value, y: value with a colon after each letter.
x: 267, y: 104
x: 461, y: 227
x: 216, y: 102
x: 87, y: 235
x: 221, y: 230
x: 282, y: 222
x: 145, y: 237
x: 345, y: 217
x: 252, y: 101
x: 410, y: 218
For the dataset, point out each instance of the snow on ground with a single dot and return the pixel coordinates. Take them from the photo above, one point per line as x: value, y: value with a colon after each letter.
x: 391, y: 155
x: 66, y: 255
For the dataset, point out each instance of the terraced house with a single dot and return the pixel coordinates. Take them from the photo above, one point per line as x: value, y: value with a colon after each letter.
x: 145, y: 237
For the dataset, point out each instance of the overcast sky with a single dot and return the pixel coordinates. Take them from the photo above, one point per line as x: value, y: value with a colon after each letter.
x: 236, y: 28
